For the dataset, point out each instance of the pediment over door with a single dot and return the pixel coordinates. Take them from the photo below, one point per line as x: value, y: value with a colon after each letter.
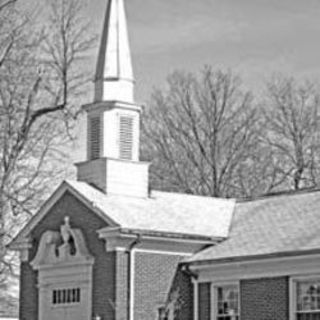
x: 64, y: 247
x: 64, y: 267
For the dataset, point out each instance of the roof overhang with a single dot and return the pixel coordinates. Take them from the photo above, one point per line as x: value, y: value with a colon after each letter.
x: 121, y: 239
x: 282, y: 264
x: 250, y: 258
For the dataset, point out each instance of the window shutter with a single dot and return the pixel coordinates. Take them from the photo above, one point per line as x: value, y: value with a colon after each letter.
x: 95, y: 129
x: 126, y: 138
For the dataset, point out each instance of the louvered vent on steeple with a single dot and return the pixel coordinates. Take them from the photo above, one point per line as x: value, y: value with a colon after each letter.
x: 126, y: 138
x: 95, y: 134
x: 112, y: 163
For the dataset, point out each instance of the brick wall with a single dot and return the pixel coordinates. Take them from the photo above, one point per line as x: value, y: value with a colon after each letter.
x: 204, y: 300
x: 103, y: 269
x: 264, y: 299
x: 121, y: 285
x: 154, y: 274
x: 182, y: 292
x: 28, y: 309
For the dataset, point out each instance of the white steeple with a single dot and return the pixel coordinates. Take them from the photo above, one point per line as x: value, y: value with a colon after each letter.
x: 113, y: 118
x: 114, y: 76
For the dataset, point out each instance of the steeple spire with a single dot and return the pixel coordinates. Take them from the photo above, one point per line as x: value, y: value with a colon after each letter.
x: 113, y: 119
x: 114, y: 77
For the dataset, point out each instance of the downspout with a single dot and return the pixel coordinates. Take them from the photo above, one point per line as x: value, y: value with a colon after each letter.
x: 130, y: 269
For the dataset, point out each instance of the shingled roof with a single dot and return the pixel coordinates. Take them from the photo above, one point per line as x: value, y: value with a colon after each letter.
x: 163, y: 211
x: 274, y: 225
x: 167, y: 214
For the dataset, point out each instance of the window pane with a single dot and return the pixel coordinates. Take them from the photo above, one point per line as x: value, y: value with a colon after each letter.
x: 227, y: 298
x: 69, y: 296
x: 308, y: 296
x: 308, y: 300
x: 66, y: 296
x: 54, y: 297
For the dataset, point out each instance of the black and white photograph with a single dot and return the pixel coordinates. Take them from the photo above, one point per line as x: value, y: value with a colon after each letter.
x: 159, y: 160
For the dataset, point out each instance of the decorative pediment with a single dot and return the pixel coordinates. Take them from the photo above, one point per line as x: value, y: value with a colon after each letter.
x: 64, y: 247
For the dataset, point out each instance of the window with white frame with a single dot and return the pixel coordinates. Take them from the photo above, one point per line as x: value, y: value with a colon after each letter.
x: 226, y: 300
x: 306, y: 299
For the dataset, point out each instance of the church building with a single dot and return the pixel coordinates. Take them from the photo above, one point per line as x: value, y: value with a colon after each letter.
x: 107, y: 247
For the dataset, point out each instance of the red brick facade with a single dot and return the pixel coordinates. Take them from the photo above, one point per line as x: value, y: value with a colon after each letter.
x: 153, y: 274
x: 265, y: 299
x: 260, y: 299
x: 103, y: 295
x: 182, y: 292
x: 204, y: 298
x: 156, y: 277
x: 121, y: 285
x: 153, y: 277
x: 28, y: 306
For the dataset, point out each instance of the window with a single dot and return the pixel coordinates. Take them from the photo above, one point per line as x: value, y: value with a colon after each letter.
x: 306, y: 299
x: 95, y: 128
x: 226, y: 302
x: 126, y: 137
x: 65, y: 296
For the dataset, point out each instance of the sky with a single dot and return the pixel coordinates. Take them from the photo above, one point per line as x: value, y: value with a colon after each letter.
x: 255, y: 38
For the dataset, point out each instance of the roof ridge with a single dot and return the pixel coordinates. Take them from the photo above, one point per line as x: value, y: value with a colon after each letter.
x: 191, y: 195
x: 278, y: 194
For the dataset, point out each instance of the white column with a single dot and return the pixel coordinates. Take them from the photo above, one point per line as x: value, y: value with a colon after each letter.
x: 195, y: 299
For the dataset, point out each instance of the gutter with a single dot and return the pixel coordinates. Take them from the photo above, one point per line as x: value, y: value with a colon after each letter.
x: 283, y: 254
x: 130, y: 279
x: 186, y: 269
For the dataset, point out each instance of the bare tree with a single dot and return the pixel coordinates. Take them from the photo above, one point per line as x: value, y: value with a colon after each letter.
x: 198, y: 132
x: 41, y: 80
x: 292, y: 123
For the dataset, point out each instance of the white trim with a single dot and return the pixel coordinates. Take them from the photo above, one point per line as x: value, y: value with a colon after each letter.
x: 213, y: 294
x: 116, y: 239
x: 272, y: 267
x: 184, y: 240
x: 132, y: 279
x: 173, y: 253
x: 195, y: 299
x: 102, y: 106
x: 23, y: 247
x: 292, y: 298
x: 159, y: 236
x: 120, y: 249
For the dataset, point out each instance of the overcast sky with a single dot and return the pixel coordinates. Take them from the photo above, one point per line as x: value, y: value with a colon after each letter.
x: 254, y: 37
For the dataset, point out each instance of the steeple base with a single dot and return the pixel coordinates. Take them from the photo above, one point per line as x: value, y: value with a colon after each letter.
x: 114, y: 90
x: 116, y: 177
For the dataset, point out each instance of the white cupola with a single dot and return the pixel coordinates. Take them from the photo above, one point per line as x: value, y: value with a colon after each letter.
x: 113, y: 119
